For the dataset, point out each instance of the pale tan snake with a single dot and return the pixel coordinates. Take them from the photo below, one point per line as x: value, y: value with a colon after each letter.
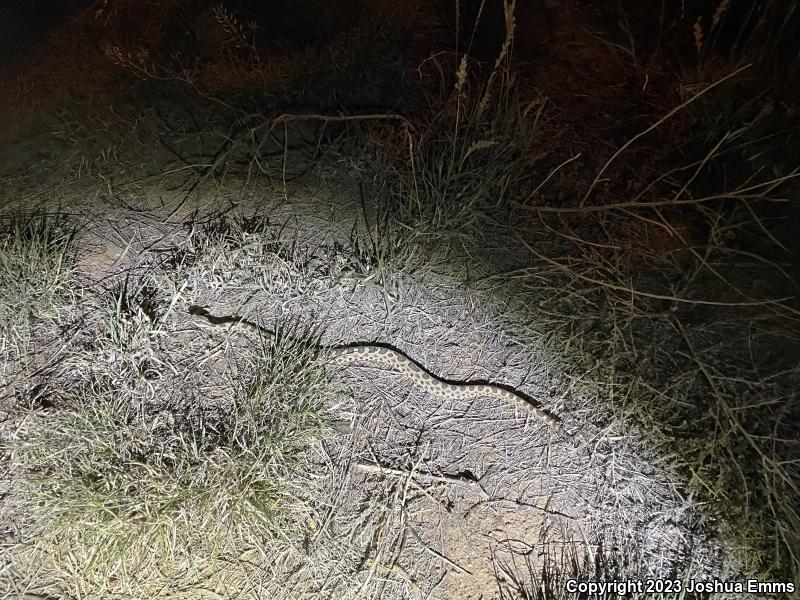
x: 391, y: 358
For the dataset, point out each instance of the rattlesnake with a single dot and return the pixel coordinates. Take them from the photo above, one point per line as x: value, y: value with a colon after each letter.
x: 393, y: 359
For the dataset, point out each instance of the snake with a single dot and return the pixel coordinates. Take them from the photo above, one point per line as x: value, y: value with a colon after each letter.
x: 390, y: 358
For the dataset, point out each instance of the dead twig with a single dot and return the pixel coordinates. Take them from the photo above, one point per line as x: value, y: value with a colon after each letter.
x: 449, y: 479
x: 655, y: 125
x: 635, y: 292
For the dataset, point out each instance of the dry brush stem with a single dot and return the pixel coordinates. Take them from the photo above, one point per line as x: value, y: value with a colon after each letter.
x: 232, y: 141
x: 753, y: 193
x: 447, y: 479
x: 772, y: 465
x: 287, y: 118
x: 633, y: 291
x: 654, y: 126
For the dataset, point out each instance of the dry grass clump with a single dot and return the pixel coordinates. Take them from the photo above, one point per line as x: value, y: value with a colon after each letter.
x: 234, y: 251
x: 543, y: 577
x: 755, y: 117
x: 123, y: 491
x: 473, y: 150
x: 35, y: 274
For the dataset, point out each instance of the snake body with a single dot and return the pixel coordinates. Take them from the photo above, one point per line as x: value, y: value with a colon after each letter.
x: 393, y: 359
